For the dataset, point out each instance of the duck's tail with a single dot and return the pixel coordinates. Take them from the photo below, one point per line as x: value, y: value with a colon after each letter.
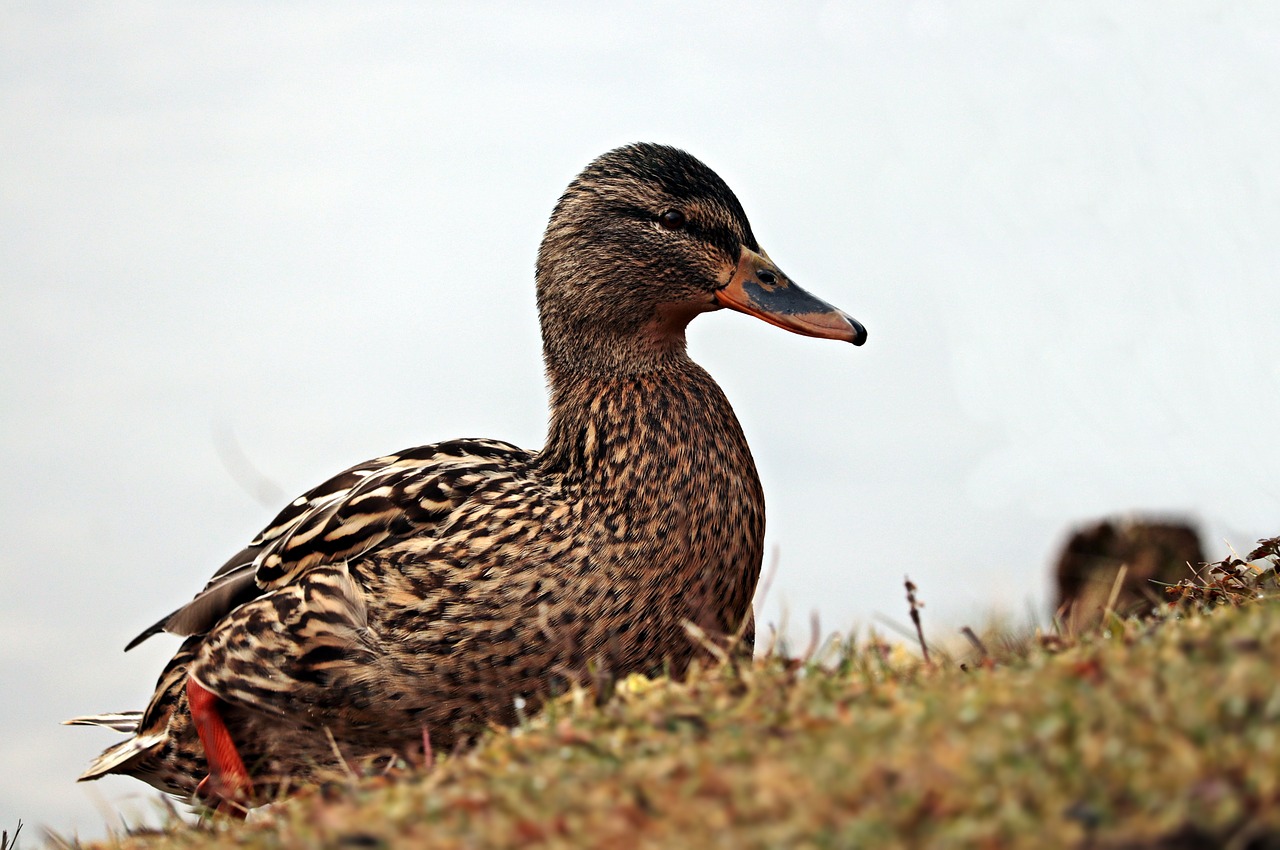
x: 121, y: 721
x: 117, y: 755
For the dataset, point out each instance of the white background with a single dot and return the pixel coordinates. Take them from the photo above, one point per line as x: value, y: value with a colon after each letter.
x: 245, y: 245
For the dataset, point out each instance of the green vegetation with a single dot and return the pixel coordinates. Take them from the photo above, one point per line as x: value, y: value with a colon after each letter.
x: 1148, y: 733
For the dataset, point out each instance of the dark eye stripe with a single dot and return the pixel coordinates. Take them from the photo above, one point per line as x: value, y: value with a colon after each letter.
x: 719, y: 236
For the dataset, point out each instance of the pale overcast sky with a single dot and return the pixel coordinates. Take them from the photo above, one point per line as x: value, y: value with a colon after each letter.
x: 245, y: 245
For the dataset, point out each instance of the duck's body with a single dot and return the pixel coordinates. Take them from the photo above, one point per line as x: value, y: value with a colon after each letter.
x: 433, y: 589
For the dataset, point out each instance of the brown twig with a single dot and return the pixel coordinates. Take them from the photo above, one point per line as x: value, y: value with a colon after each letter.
x: 915, y: 606
x: 428, y: 754
x: 976, y: 641
x: 5, y: 843
x: 985, y: 661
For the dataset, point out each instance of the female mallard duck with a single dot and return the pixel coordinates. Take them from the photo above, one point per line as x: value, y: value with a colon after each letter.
x: 427, y: 591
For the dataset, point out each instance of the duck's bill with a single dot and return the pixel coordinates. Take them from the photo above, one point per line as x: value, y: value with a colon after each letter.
x: 759, y: 288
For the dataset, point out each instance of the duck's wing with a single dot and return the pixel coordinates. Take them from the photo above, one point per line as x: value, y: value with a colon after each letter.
x: 361, y: 508
x: 232, y: 585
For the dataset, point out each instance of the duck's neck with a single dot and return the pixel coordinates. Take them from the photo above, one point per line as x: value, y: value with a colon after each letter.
x: 576, y: 347
x: 618, y: 426
x: 656, y: 465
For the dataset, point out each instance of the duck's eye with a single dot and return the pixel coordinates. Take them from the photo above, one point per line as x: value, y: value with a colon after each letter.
x: 672, y: 219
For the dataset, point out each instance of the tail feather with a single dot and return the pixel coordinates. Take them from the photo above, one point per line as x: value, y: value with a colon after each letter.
x: 117, y: 755
x: 125, y: 722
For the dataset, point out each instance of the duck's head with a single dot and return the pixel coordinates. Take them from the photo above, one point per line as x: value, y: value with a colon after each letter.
x: 643, y: 240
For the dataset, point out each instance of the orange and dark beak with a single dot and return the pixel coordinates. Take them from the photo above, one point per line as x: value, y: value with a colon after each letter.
x: 759, y: 288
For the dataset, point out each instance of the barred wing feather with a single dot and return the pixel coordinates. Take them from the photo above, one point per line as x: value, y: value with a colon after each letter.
x: 389, y: 498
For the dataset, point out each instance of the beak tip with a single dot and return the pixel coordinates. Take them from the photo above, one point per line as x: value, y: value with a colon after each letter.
x: 859, y: 332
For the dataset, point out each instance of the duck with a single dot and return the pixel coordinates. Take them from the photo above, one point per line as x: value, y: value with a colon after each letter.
x: 414, y: 600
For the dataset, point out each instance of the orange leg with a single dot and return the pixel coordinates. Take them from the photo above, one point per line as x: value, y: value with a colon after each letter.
x: 227, y: 787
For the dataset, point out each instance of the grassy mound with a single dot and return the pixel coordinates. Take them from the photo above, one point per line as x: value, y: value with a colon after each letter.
x: 1155, y: 733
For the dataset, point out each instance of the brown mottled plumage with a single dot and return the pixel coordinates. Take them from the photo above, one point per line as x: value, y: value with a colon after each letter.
x: 433, y: 588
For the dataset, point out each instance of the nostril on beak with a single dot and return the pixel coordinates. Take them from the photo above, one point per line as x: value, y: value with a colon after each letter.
x: 766, y: 277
